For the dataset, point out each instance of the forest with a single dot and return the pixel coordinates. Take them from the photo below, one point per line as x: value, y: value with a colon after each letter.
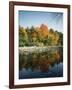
x: 39, y: 36
x: 40, y: 52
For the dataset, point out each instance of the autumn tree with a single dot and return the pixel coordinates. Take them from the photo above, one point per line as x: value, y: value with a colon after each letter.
x: 40, y: 36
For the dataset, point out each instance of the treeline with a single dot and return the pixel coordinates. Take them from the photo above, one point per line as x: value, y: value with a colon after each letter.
x: 39, y: 36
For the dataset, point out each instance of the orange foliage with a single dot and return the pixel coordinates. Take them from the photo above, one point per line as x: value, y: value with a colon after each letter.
x: 43, y: 30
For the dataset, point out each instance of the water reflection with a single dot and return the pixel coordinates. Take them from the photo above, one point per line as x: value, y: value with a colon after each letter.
x: 37, y: 64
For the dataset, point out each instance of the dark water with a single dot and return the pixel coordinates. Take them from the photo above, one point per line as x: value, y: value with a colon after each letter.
x: 56, y: 71
x: 47, y: 63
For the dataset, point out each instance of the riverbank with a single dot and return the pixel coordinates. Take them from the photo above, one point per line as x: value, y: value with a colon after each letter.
x: 36, y: 49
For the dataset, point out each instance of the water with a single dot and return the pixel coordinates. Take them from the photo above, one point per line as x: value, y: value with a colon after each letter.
x: 41, y: 64
x: 56, y: 71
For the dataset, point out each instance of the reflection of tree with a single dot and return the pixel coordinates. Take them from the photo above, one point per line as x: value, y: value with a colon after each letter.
x: 41, y: 60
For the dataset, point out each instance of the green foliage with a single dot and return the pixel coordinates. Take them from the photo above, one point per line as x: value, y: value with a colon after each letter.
x: 33, y: 37
x: 23, y: 37
x: 51, y: 31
